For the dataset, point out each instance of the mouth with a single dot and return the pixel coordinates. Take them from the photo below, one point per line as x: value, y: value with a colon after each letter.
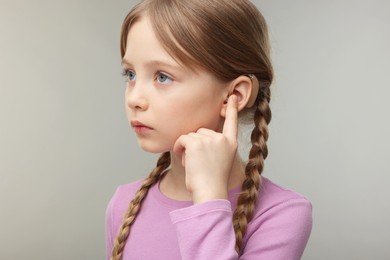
x: 139, y: 127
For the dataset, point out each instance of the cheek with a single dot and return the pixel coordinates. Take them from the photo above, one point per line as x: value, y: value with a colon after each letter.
x: 190, y: 116
x: 127, y: 110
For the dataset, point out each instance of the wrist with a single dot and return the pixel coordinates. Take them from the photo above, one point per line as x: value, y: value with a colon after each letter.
x: 203, y: 196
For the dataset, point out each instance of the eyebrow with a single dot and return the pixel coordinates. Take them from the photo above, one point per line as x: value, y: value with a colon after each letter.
x: 155, y: 63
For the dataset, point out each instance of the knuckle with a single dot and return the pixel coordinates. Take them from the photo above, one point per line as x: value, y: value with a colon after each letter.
x: 221, y: 138
x: 197, y: 144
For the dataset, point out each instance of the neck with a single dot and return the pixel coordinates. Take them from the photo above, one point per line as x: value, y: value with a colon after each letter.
x: 173, y: 183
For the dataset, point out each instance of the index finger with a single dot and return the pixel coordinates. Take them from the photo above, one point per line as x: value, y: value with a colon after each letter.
x: 230, y: 127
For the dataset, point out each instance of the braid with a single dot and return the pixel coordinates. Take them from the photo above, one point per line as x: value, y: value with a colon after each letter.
x: 135, y: 205
x: 247, y: 200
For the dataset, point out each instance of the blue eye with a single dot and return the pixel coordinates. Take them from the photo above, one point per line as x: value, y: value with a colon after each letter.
x: 163, y: 79
x: 130, y: 75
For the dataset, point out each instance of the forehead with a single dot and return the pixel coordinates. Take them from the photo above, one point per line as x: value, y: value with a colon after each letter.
x: 142, y: 44
x: 142, y: 38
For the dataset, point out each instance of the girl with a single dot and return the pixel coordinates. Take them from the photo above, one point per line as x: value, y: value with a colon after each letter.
x: 193, y: 66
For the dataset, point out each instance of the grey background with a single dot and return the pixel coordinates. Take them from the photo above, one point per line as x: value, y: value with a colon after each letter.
x: 65, y: 143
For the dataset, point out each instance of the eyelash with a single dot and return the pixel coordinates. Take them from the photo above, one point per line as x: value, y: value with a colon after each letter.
x: 125, y: 73
x: 159, y: 73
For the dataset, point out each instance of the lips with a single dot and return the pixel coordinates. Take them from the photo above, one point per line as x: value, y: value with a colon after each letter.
x: 135, y: 123
x: 139, y: 127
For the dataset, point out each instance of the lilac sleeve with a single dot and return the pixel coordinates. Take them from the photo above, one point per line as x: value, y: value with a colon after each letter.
x: 109, y: 227
x: 205, y: 231
x: 281, y: 232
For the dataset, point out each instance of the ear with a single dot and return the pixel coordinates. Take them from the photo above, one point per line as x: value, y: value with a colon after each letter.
x: 244, y: 89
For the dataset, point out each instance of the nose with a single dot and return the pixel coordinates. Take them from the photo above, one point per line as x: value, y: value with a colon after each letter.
x: 136, y: 98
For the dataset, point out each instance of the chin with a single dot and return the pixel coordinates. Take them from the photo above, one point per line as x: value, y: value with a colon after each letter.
x: 153, y: 148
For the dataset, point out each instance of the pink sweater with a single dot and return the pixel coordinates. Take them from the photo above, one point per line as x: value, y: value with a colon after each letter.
x: 167, y: 229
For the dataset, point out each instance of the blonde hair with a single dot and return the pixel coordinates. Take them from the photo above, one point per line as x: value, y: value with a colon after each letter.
x: 229, y: 38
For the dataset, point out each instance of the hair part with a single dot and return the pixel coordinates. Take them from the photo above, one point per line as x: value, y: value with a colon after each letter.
x: 228, y: 38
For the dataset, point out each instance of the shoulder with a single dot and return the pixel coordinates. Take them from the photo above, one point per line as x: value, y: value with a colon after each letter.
x: 283, y: 215
x: 129, y: 188
x: 121, y: 198
x: 115, y: 209
x: 272, y: 195
x: 282, y: 209
x: 283, y: 204
x: 120, y: 202
x: 125, y: 193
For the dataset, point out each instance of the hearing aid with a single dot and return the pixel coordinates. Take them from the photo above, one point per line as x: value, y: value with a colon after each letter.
x: 255, y: 90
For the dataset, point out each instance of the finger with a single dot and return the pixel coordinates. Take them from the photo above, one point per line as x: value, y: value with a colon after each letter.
x: 180, y: 146
x: 230, y: 127
x: 181, y: 143
x: 206, y: 131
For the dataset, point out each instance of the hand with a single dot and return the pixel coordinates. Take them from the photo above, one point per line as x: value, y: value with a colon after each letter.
x: 208, y: 157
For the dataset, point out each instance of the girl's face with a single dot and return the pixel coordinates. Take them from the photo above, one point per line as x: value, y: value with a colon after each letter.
x: 163, y: 99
